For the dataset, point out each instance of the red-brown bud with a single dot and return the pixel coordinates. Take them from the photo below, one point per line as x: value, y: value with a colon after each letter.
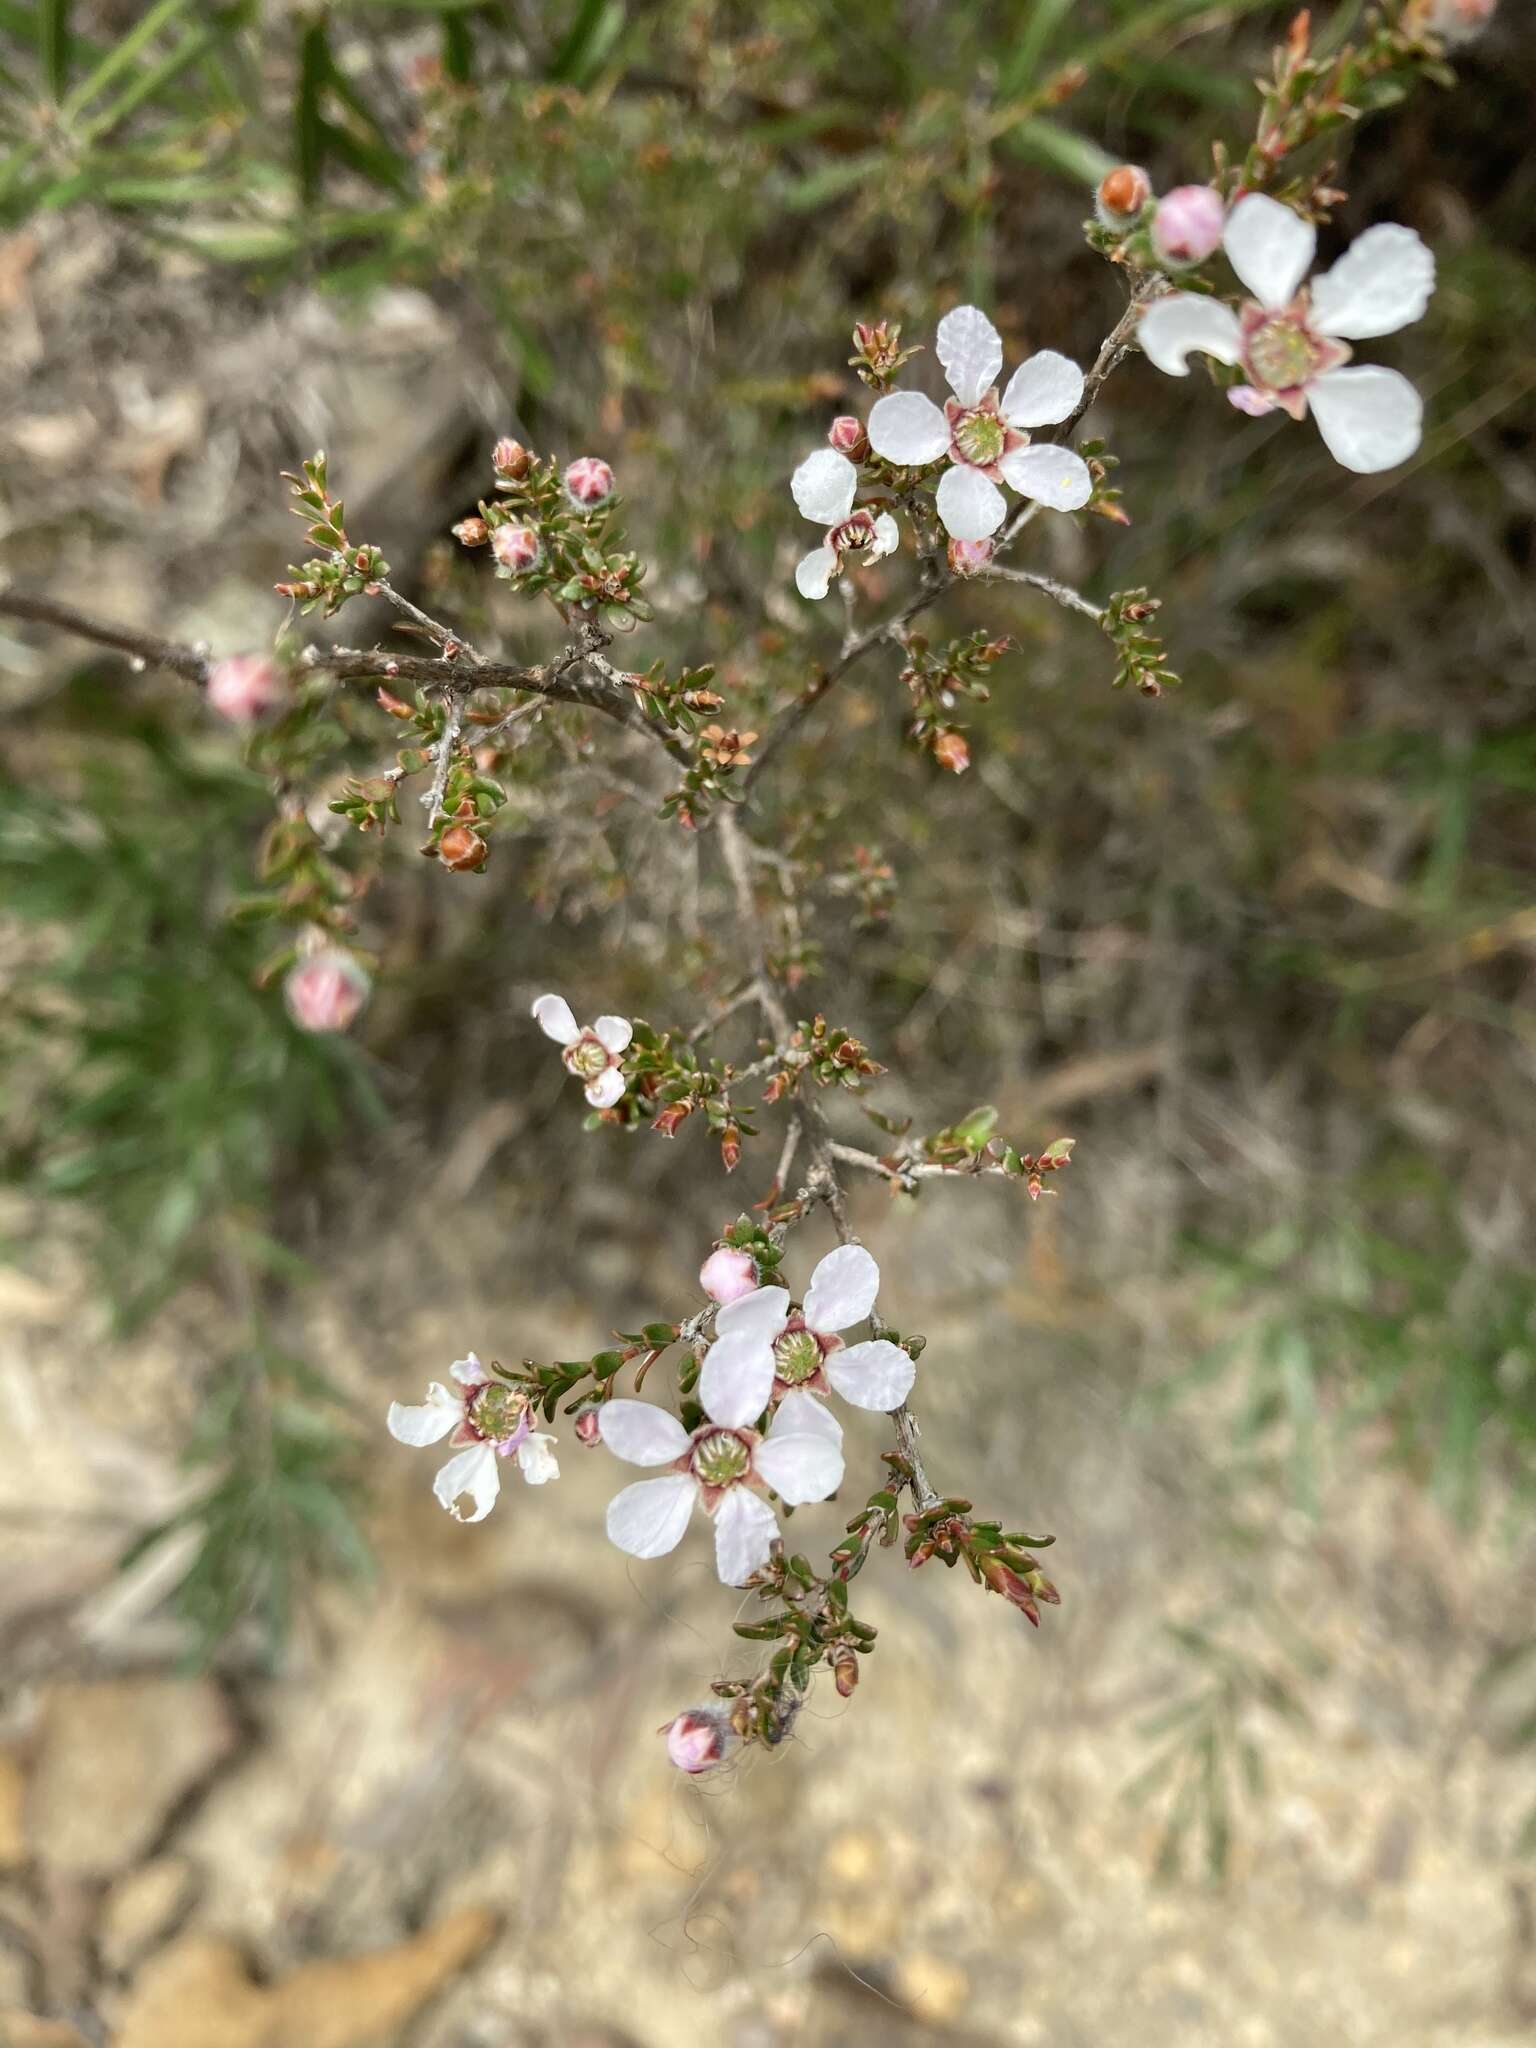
x: 845, y: 1670
x: 667, y: 1120
x: 951, y: 752
x: 472, y: 533
x: 510, y: 458
x: 1122, y: 195
x: 730, y: 1148
x: 588, y: 1426
x: 1001, y: 1579
x: 462, y: 848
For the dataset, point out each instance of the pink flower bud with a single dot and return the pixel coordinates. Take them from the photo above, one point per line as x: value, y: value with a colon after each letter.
x: 517, y: 548
x: 245, y: 688
x: 1187, y: 225
x: 967, y: 556
x: 589, y: 481
x: 699, y: 1738
x: 510, y: 458
x: 1122, y: 195
x: 848, y: 437
x: 326, y: 991
x: 1455, y: 21
x: 589, y: 1427
x: 728, y: 1275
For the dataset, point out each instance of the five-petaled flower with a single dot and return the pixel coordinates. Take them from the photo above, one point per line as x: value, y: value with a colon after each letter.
x: 823, y: 487
x: 986, y: 439
x: 1292, y: 343
x: 765, y: 1350
x: 490, y: 1421
x: 725, y: 1467
x: 593, y: 1055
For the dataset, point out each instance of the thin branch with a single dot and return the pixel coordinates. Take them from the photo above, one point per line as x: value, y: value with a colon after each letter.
x: 1063, y: 593
x: 147, y: 649
x: 432, y: 802
x: 452, y: 643
x: 906, y: 1171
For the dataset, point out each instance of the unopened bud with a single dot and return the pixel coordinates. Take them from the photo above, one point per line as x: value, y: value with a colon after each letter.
x: 1122, y: 195
x: 1187, y: 225
x: 472, y: 533
x: 1454, y: 21
x: 461, y: 847
x: 699, y: 1738
x: 589, y: 1426
x: 667, y: 1121
x: 326, y: 991
x: 951, y: 752
x: 1003, y: 1580
x: 730, y: 1148
x: 517, y: 548
x: 845, y: 1670
x: 728, y: 1275
x: 588, y: 481
x: 848, y: 437
x: 245, y: 688
x: 510, y: 458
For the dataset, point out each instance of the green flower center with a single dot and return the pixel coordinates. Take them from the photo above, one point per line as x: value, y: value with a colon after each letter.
x: 588, y: 1057
x: 1281, y: 354
x: 796, y: 1357
x: 720, y: 1458
x: 980, y: 436
x: 496, y: 1411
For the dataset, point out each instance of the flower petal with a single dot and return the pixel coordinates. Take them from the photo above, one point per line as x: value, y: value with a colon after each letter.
x: 1051, y: 476
x: 970, y: 505
x: 613, y: 1032
x: 1043, y: 390
x: 814, y: 572
x: 1369, y: 417
x: 556, y: 1021
x: 1269, y: 247
x: 428, y: 1424
x: 1172, y: 326
x: 823, y: 486
x: 972, y: 354
x: 843, y: 1289
x: 905, y: 427
x: 767, y: 1311
x: 876, y: 1375
x: 473, y: 1472
x: 737, y: 1378
x: 887, y: 538
x: 640, y: 1433
x: 605, y: 1091
x: 535, y: 1460
x: 1380, y: 283
x: 745, y: 1528
x: 648, y: 1518
x: 469, y: 1372
x: 800, y: 1465
x: 801, y: 1414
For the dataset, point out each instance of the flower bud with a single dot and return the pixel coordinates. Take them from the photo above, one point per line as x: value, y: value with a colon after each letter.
x: 1122, y: 195
x: 728, y: 1275
x: 472, y: 533
x: 517, y: 548
x: 699, y: 1738
x: 951, y: 752
x: 589, y: 1426
x: 1004, y: 1580
x: 461, y: 847
x: 1187, y: 225
x: 966, y: 557
x: 667, y: 1121
x: 845, y: 1670
x: 588, y: 481
x: 325, y: 991
x: 1454, y: 21
x: 510, y: 458
x: 245, y: 688
x: 848, y: 437
x: 730, y: 1148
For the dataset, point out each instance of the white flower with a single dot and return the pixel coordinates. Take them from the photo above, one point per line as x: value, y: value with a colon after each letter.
x: 724, y: 1467
x: 1292, y: 343
x: 593, y: 1054
x: 823, y: 488
x: 986, y: 440
x: 762, y: 1351
x: 492, y: 1421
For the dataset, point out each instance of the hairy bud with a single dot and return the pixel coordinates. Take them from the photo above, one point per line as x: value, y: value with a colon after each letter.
x: 728, y: 1275
x: 326, y: 991
x: 461, y: 847
x: 1187, y: 225
x: 517, y: 548
x: 1122, y: 195
x: 588, y: 481
x: 699, y: 1738
x: 472, y: 533
x: 245, y: 688
x: 847, y: 436
x: 589, y: 1427
x: 510, y: 458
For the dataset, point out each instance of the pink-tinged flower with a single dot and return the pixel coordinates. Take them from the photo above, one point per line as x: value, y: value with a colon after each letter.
x: 592, y: 1054
x: 765, y: 1350
x: 728, y: 1275
x: 517, y: 548
x: 700, y: 1737
x: 1292, y: 343
x: 969, y: 557
x: 491, y: 1421
x: 589, y: 1426
x: 846, y: 434
x: 325, y: 991
x: 986, y: 440
x: 1122, y: 195
x: 725, y: 1467
x: 823, y: 487
x: 1454, y: 21
x: 510, y: 458
x: 588, y: 481
x: 245, y: 688
x: 1187, y: 225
